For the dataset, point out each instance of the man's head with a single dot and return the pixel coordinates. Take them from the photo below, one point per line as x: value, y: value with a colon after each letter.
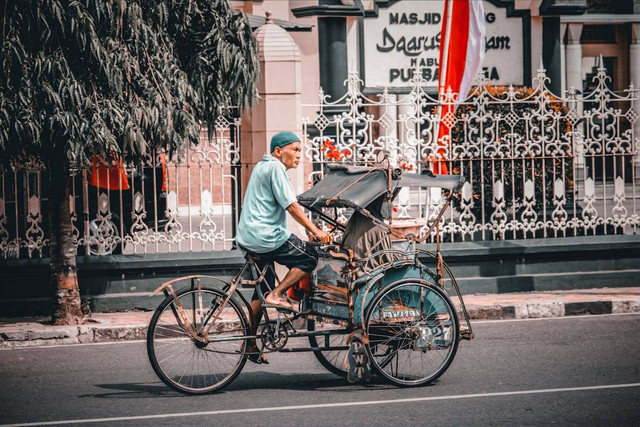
x: 286, y: 147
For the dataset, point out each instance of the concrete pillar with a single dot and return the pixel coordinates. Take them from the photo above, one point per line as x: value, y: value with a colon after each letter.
x: 573, y: 67
x: 634, y: 77
x: 551, y: 52
x: 332, y: 53
x: 279, y: 106
x: 573, y: 57
x: 563, y: 61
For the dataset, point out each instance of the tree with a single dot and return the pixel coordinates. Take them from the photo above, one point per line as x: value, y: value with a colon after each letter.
x: 115, y: 78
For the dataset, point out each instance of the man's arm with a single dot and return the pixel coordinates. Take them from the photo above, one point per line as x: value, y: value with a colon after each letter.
x: 298, y: 214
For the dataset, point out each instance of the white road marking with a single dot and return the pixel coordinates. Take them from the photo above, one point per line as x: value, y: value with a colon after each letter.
x: 324, y: 405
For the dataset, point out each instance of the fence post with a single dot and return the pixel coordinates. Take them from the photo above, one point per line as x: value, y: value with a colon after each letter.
x: 573, y: 63
x: 634, y: 77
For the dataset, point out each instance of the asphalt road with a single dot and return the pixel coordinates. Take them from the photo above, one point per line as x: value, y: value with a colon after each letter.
x: 564, y: 371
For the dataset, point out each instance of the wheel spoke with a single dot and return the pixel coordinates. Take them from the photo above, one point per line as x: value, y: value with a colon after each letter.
x: 189, y: 365
x: 407, y: 325
x: 333, y: 360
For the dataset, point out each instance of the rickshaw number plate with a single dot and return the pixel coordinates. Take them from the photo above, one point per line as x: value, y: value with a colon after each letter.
x: 398, y: 314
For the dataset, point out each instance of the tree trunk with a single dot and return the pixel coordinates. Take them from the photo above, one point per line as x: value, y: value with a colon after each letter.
x: 64, y: 272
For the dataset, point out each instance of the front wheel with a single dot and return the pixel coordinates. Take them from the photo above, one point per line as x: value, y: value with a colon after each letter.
x: 188, y: 365
x: 413, y: 332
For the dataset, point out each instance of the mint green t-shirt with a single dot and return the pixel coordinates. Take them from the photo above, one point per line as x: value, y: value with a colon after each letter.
x: 263, y: 221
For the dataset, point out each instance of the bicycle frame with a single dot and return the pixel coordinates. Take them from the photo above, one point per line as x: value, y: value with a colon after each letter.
x: 213, y: 313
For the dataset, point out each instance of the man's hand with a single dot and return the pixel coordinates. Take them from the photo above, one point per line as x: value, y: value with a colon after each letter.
x: 323, y: 237
x: 297, y: 213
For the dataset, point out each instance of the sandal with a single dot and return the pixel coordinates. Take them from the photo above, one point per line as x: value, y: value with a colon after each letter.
x: 258, y: 358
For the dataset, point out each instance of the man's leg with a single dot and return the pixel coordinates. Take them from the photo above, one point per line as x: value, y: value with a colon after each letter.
x: 292, y: 277
x: 256, y: 315
x: 300, y: 260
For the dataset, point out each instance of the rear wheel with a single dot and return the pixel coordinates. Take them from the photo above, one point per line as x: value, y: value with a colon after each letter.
x: 186, y: 364
x: 413, y: 332
x: 334, y: 360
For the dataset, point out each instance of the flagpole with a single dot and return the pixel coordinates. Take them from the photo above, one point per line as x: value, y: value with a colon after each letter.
x: 441, y: 77
x: 447, y: 36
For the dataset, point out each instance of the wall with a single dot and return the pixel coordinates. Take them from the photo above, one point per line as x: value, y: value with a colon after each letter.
x: 117, y: 282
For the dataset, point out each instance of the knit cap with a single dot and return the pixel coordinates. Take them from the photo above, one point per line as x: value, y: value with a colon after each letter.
x: 281, y: 139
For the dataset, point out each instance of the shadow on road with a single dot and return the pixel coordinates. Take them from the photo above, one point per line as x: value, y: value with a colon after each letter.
x: 248, y: 381
x: 303, y: 382
x: 129, y: 390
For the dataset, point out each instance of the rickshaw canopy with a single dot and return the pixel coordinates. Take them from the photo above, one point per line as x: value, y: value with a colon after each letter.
x: 348, y: 186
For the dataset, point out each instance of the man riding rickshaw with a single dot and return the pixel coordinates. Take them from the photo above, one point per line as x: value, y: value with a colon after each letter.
x: 262, y: 227
x: 371, y: 303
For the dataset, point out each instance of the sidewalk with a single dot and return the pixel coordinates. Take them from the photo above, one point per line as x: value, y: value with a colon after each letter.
x: 128, y: 326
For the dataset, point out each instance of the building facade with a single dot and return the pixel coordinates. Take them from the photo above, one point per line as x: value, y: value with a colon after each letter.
x: 385, y: 40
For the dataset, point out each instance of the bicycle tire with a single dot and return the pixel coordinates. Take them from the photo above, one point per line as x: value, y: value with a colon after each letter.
x: 166, y: 339
x: 412, y: 337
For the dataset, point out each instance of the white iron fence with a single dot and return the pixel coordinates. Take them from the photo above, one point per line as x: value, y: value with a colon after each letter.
x: 536, y: 165
x: 184, y: 203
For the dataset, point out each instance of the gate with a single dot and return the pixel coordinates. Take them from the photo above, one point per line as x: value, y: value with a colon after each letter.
x: 537, y: 165
x: 186, y: 202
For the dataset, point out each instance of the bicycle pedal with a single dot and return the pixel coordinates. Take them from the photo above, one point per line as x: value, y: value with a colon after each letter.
x: 467, y: 335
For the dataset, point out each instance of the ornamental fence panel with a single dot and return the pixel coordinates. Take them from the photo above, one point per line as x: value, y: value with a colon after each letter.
x: 536, y: 165
x: 184, y: 202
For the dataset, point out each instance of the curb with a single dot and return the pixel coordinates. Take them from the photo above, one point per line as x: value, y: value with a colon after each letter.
x: 22, y: 335
x: 549, y: 309
x: 41, y: 335
x: 35, y: 334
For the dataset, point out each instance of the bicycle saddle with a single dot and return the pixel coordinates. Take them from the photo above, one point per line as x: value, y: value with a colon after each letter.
x: 247, y: 252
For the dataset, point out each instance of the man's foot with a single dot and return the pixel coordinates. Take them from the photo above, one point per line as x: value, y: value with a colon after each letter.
x: 255, y: 356
x: 279, y: 301
x: 258, y: 358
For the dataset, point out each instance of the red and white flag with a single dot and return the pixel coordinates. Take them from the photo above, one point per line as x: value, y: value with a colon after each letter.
x: 462, y: 47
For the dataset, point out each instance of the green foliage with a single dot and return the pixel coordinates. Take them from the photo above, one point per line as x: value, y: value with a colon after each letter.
x: 118, y: 77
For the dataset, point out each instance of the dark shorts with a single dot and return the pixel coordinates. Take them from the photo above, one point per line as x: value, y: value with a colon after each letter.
x: 292, y: 253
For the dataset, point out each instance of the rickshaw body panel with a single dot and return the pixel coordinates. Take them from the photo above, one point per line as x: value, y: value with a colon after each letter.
x: 357, y: 187
x: 327, y: 272
x: 365, y: 291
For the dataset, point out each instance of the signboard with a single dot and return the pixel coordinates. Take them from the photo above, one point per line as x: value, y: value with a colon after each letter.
x: 406, y: 35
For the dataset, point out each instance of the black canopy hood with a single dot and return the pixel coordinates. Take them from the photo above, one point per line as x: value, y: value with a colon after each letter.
x: 347, y: 186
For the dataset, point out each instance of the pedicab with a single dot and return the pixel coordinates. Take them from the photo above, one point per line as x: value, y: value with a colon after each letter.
x: 393, y: 317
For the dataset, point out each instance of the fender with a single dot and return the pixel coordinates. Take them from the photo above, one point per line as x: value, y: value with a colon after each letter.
x: 178, y: 279
x: 167, y: 288
x: 370, y: 285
